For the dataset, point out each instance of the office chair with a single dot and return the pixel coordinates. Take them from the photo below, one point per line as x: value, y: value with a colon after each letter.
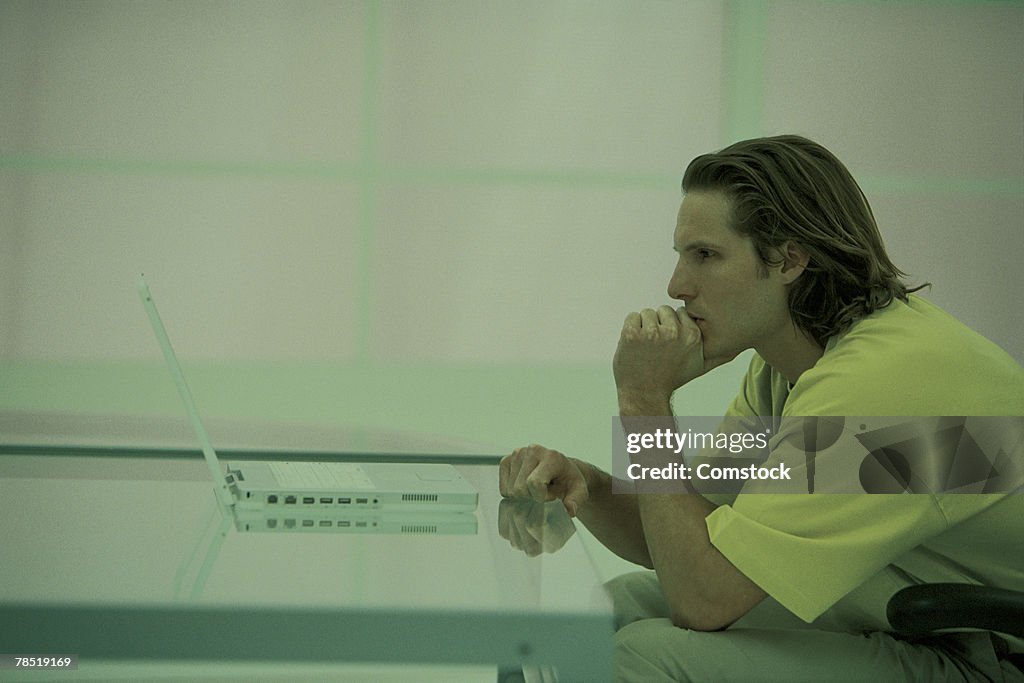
x: 918, y: 610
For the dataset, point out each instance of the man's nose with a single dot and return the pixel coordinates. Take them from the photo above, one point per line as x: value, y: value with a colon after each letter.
x: 678, y: 285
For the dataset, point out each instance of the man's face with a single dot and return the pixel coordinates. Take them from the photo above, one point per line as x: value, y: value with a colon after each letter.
x: 736, y: 300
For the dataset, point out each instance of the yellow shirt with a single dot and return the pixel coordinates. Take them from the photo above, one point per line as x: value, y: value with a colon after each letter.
x: 839, y: 557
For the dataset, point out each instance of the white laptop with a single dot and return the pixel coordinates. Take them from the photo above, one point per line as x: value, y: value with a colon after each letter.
x: 318, y: 486
x: 283, y: 519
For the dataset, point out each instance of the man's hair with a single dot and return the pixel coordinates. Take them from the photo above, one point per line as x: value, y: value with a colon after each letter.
x: 788, y: 188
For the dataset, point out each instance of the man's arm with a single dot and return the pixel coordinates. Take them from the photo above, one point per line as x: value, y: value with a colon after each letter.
x: 705, y: 591
x: 658, y: 353
x: 543, y: 474
x: 613, y: 518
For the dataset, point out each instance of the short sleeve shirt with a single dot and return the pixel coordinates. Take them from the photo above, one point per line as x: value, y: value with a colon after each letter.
x: 839, y: 557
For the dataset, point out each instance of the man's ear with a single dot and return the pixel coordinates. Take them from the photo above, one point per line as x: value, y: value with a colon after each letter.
x: 794, y: 261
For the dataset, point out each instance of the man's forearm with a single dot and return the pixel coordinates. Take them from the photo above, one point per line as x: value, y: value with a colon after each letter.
x: 613, y: 518
x: 703, y: 589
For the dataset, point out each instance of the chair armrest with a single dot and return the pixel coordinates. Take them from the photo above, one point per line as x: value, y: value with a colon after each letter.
x: 917, y: 610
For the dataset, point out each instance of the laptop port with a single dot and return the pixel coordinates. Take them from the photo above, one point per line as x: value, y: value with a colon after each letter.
x: 360, y: 501
x: 289, y: 524
x: 271, y: 499
x: 271, y: 523
x: 326, y: 522
x: 307, y: 522
x: 289, y: 500
x: 308, y: 500
x: 326, y: 500
x: 344, y: 501
x: 344, y: 523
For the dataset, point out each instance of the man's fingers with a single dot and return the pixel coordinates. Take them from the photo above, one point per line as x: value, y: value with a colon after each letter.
x: 539, y: 481
x: 576, y: 497
x: 542, y: 475
x: 512, y: 472
x: 653, y: 324
x: 649, y: 319
x: 667, y: 316
x: 508, y: 472
x: 505, y: 515
x: 524, y: 463
x: 504, y: 473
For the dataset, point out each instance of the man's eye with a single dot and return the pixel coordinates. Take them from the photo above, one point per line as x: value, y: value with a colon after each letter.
x: 704, y: 253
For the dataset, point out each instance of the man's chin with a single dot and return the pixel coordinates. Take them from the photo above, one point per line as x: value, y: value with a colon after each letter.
x: 714, y: 350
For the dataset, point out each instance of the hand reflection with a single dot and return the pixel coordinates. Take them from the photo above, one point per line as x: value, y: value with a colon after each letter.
x: 534, y: 527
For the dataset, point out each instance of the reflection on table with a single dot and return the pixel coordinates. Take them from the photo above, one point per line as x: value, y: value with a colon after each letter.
x: 132, y: 556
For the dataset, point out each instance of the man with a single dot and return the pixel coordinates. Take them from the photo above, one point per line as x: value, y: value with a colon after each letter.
x: 779, y: 252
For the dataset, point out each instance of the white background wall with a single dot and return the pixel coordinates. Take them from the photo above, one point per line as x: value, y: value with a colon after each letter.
x: 456, y: 200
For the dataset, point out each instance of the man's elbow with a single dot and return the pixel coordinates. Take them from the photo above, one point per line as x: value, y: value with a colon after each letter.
x: 699, y: 620
x: 707, y: 615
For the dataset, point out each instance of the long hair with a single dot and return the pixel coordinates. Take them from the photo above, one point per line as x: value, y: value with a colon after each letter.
x: 788, y: 188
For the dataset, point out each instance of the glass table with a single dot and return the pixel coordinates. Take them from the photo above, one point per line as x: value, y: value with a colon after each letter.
x: 121, y: 552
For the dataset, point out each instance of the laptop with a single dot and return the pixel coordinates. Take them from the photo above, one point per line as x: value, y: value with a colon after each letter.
x: 317, y: 486
x: 332, y: 520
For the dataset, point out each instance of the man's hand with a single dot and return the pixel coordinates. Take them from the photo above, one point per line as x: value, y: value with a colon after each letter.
x: 542, y: 474
x: 533, y: 527
x: 659, y: 351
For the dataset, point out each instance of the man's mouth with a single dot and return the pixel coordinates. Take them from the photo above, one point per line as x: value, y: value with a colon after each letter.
x: 693, y: 316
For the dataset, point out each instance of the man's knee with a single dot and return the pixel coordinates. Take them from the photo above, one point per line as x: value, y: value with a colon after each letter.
x: 641, y: 647
x: 636, y: 596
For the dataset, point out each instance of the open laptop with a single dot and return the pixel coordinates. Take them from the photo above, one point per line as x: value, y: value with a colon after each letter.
x: 323, y: 486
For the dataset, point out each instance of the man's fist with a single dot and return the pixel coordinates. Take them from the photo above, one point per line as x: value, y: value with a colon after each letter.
x: 659, y: 351
x: 542, y: 474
